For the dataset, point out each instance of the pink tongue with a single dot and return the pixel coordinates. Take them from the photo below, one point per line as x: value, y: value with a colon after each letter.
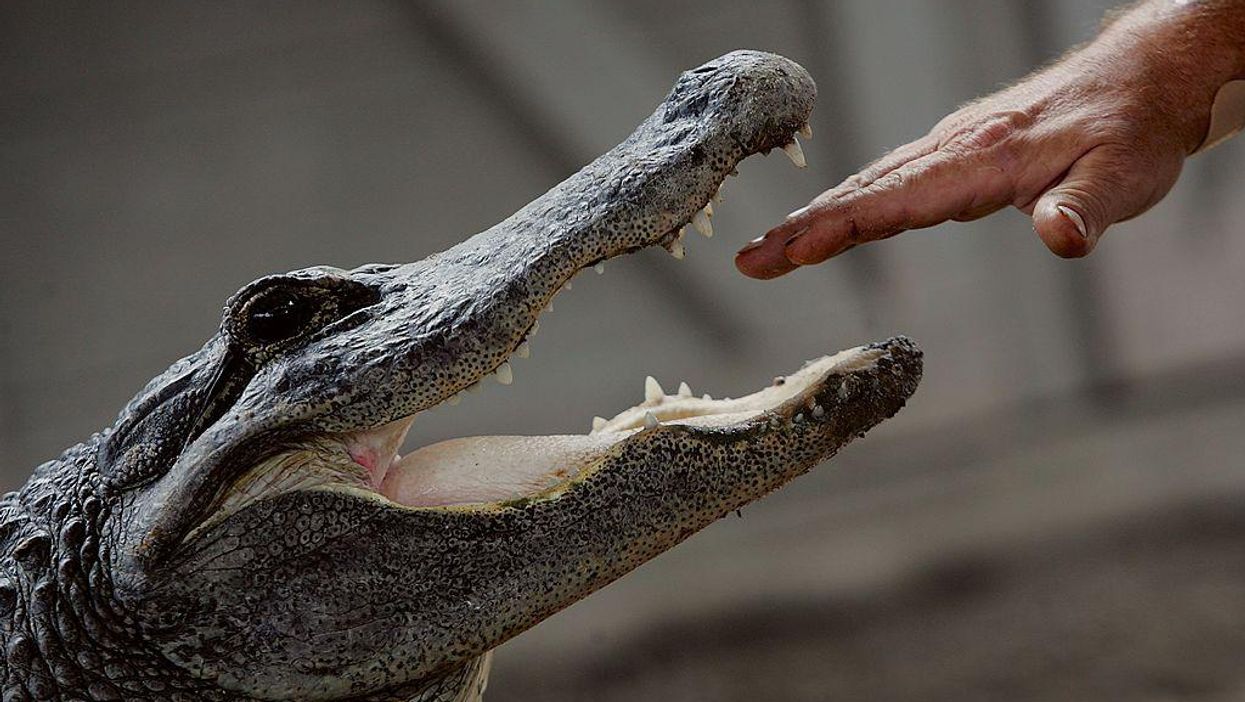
x: 483, y: 469
x: 374, y: 449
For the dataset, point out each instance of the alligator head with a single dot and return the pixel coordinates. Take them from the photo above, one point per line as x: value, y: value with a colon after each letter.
x: 258, y: 532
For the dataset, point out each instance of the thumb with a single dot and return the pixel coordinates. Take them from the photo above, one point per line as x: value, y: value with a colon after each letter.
x: 1107, y: 185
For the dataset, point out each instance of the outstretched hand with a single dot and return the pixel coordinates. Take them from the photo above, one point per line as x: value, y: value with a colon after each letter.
x: 1095, y: 139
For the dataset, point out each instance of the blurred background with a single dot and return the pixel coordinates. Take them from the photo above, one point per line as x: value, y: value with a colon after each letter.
x: 1058, y: 513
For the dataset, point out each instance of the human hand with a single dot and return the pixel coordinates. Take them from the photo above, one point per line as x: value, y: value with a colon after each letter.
x: 1095, y: 139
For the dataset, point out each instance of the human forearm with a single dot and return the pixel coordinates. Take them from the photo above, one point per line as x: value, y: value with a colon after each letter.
x: 1093, y: 139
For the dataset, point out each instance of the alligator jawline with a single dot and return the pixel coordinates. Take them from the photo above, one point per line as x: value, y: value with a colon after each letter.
x: 520, y: 469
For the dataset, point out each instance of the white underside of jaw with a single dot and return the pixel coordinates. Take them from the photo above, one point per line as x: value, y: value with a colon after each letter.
x: 498, y: 469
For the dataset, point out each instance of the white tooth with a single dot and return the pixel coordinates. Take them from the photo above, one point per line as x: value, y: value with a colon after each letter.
x: 599, y: 268
x: 819, y: 412
x: 524, y: 350
x: 701, y: 222
x: 799, y: 418
x: 709, y: 208
x: 677, y: 250
x: 650, y: 422
x: 795, y: 153
x: 549, y: 305
x: 685, y: 390
x: 474, y: 387
x: 567, y: 286
x: 505, y: 374
x: 707, y: 397
x: 652, y: 390
x: 806, y: 131
x: 455, y: 398
x: 717, y: 196
x: 598, y: 423
x: 535, y: 327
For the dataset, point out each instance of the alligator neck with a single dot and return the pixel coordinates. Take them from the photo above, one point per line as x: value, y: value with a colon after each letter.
x: 62, y: 631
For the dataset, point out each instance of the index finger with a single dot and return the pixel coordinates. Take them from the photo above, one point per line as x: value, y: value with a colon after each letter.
x: 924, y: 192
x: 764, y: 256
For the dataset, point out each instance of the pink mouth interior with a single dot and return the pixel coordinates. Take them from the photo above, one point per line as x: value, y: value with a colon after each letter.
x: 490, y: 468
x: 498, y: 469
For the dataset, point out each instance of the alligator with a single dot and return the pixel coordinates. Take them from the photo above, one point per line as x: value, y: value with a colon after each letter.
x: 247, y: 530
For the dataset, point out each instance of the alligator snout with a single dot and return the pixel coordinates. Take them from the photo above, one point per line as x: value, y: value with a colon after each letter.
x: 473, y: 306
x: 757, y: 99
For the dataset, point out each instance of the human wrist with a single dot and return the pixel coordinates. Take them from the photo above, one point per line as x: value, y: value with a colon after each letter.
x: 1203, y: 37
x: 1174, y: 56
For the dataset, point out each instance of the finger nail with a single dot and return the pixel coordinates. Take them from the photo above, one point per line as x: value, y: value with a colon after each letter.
x: 754, y: 244
x: 797, y: 213
x: 1076, y: 219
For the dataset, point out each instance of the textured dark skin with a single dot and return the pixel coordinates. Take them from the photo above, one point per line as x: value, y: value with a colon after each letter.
x: 123, y: 577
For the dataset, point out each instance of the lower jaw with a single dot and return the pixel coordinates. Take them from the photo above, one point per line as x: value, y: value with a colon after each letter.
x: 491, y: 471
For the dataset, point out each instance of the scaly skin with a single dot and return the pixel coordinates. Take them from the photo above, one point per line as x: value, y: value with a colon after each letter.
x: 220, y: 541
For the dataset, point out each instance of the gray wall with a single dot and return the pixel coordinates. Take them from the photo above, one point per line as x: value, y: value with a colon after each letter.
x: 156, y: 156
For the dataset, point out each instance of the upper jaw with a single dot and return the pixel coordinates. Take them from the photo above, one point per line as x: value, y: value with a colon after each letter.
x: 444, y: 323
x: 455, y: 318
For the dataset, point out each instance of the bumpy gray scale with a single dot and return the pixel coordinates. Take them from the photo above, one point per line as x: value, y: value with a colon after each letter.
x: 124, y: 577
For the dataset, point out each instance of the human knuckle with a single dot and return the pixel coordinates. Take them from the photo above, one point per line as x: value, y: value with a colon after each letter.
x: 987, y: 131
x: 895, y: 180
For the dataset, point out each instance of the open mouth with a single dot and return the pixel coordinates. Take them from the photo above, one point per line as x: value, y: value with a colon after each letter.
x: 484, y: 471
x: 489, y: 472
x: 496, y: 471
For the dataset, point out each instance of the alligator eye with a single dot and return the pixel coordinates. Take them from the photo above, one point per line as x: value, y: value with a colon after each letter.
x: 278, y: 315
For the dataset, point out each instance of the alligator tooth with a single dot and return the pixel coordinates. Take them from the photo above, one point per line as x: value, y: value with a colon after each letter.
x: 599, y: 268
x: 652, y: 390
x: 567, y: 286
x: 598, y: 423
x: 523, y: 350
x: 505, y: 374
x: 709, y: 208
x: 650, y: 422
x: 702, y: 224
x: 535, y: 327
x: 717, y: 196
x: 455, y: 399
x: 677, y: 250
x: 707, y: 397
x: 806, y: 131
x: 795, y: 153
x: 474, y: 387
x: 799, y: 418
x: 819, y: 412
x: 685, y: 390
